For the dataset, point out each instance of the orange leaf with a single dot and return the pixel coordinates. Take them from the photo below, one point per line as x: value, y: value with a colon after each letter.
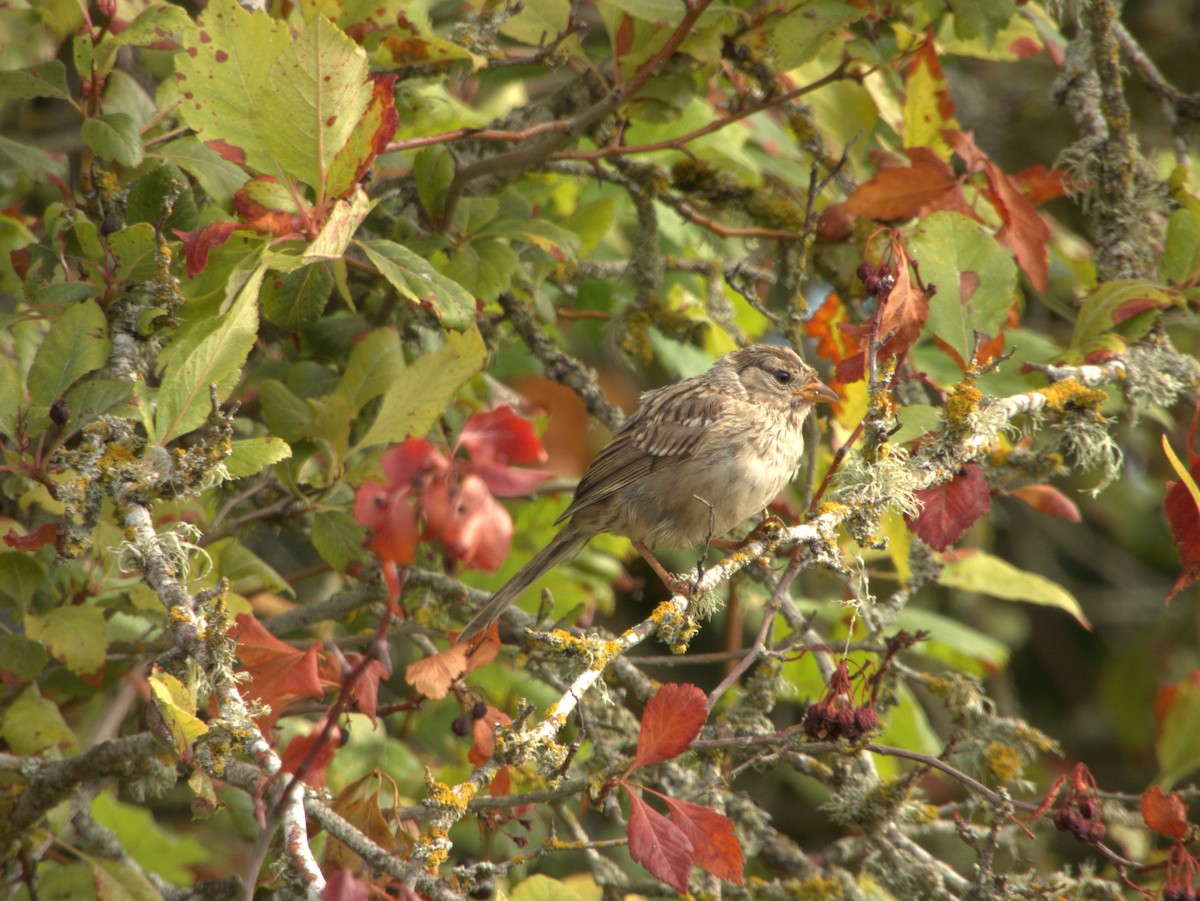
x: 1049, y: 500
x: 1165, y: 812
x: 951, y: 508
x: 483, y: 649
x: 899, y: 193
x: 434, y: 675
x: 717, y: 849
x: 483, y: 734
x: 901, y: 316
x: 659, y: 845
x: 278, y: 672
x: 1024, y: 230
x: 670, y: 723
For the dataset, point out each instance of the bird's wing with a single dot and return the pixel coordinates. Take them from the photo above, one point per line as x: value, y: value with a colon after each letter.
x: 669, y: 425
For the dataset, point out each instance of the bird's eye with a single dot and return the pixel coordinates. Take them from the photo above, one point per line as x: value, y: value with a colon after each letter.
x: 782, y: 376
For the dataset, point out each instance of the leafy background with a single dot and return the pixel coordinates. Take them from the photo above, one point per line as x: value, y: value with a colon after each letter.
x: 269, y: 280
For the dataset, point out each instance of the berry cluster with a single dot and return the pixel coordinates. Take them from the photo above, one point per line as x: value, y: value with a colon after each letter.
x: 878, y: 280
x: 462, y: 723
x: 836, y: 715
x: 1080, y: 820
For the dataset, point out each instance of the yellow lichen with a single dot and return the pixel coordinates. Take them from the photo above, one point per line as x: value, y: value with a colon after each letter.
x: 1003, y: 761
x: 1069, y: 395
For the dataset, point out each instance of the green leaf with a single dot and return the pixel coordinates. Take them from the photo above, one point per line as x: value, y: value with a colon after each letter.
x: 484, y: 267
x: 954, y: 643
x: 76, y: 344
x: 47, y: 80
x: 985, y: 574
x: 976, y: 279
x: 114, y: 136
x: 1118, y: 311
x: 136, y: 249
x: 34, y: 725
x: 321, y: 91
x: 981, y: 18
x: 288, y: 416
x: 1180, y: 261
x: 90, y: 400
x: 376, y: 362
x: 146, y: 841
x: 433, y: 170
x: 22, y: 658
x: 114, y: 881
x: 12, y: 397
x: 225, y: 78
x: 415, y: 279
x: 21, y: 575
x: 338, y: 538
x: 542, y: 888
x: 183, y: 400
x: 246, y: 571
x: 150, y: 194
x: 75, y: 635
x: 217, y: 176
x: 800, y: 35
x: 38, y: 164
x: 295, y: 300
x: 250, y: 456
x: 1178, y: 742
x: 420, y: 396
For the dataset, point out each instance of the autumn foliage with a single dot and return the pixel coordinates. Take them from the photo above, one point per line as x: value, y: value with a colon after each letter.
x: 313, y: 324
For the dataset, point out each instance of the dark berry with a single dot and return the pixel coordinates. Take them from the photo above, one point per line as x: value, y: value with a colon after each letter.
x: 461, y: 725
x: 479, y: 711
x: 60, y: 412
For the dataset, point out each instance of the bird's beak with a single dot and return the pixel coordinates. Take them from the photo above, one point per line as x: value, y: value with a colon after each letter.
x: 819, y: 392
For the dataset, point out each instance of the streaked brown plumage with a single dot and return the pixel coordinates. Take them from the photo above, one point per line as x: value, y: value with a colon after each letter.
x: 696, y: 459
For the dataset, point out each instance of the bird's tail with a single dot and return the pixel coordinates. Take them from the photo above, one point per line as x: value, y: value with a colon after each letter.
x: 561, y: 546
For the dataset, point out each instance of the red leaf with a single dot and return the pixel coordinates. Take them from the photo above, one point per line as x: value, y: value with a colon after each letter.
x: 670, y: 723
x: 899, y: 193
x: 198, y: 243
x: 35, y: 540
x: 502, y: 437
x: 659, y: 845
x: 1165, y: 812
x: 412, y: 462
x: 278, y: 672
x: 466, y: 520
x: 365, y: 693
x: 1184, y: 519
x: 717, y: 849
x: 343, y: 885
x: 504, y: 481
x: 389, y: 513
x: 300, y: 748
x: 949, y: 509
x: 1049, y: 500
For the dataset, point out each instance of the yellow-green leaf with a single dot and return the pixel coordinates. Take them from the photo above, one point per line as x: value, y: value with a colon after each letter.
x: 985, y: 574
